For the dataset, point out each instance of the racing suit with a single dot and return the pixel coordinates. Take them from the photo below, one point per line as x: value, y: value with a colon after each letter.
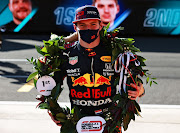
x: 90, y: 78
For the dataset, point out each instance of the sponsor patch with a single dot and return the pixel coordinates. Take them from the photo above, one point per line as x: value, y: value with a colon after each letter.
x: 98, y: 112
x: 92, y: 12
x: 91, y: 124
x: 108, y: 71
x: 106, y: 58
x: 92, y: 102
x: 73, y: 60
x: 75, y: 70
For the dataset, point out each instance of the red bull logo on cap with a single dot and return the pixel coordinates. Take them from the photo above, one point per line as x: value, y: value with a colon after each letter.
x: 95, y: 82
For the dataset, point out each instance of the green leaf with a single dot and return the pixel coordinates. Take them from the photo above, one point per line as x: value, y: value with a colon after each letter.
x: 77, y: 114
x: 56, y: 42
x: 68, y: 110
x: 68, y: 127
x: 150, y: 83
x: 47, y: 55
x: 126, y: 121
x: 137, y: 106
x: 44, y: 49
x: 51, y: 42
x: 140, y: 58
x: 147, y: 80
x: 56, y: 63
x: 31, y: 76
x: 44, y: 106
x: 28, y: 60
x: 35, y: 81
x: 120, y: 47
x: 56, y: 91
x: 54, y: 106
x: 118, y: 29
x: 31, y: 59
x: 106, y: 29
x: 39, y: 65
x: 55, y: 70
x: 34, y: 63
x: 154, y: 78
x: 155, y: 82
x: 61, y: 119
x: 38, y: 49
x: 115, y: 53
x: 62, y: 47
x: 72, y: 111
x: 45, y: 42
x: 134, y: 49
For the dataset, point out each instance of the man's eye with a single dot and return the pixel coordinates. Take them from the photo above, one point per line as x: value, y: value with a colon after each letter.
x: 26, y: 1
x: 100, y: 6
x: 15, y: 1
x: 111, y: 6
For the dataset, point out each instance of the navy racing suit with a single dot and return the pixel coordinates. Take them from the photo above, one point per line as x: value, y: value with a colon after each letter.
x: 90, y: 78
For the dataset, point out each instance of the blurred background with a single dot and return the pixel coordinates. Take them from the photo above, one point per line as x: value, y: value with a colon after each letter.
x: 154, y: 24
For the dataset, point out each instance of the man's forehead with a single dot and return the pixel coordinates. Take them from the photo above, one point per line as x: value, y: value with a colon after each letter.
x: 10, y: 1
x: 109, y: 1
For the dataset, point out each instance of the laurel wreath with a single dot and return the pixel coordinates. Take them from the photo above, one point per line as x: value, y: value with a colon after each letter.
x: 124, y: 109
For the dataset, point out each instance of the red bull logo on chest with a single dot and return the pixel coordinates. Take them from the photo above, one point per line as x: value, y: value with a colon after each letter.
x: 95, y: 82
x: 91, y: 93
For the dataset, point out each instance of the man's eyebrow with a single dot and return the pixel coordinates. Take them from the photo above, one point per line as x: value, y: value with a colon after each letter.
x: 110, y: 4
x: 100, y: 4
x: 93, y: 22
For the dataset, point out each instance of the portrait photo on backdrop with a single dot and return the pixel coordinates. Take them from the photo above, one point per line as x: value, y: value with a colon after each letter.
x: 20, y: 9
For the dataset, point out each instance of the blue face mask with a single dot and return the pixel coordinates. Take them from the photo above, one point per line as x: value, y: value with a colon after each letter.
x: 88, y: 35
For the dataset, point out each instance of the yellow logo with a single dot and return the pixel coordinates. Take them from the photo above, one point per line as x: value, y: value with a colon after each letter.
x: 106, y: 58
x: 86, y: 80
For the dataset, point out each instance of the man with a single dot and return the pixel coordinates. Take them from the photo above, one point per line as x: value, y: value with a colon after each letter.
x: 108, y: 9
x: 90, y: 76
x: 20, y: 10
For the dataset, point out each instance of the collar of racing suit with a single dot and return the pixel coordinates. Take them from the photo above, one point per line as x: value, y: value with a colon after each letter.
x: 90, y: 51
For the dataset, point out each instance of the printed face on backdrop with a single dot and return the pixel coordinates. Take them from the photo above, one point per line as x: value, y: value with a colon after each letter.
x: 107, y: 10
x: 20, y: 8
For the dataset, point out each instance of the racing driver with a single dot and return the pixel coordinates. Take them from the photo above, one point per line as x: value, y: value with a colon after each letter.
x: 90, y: 76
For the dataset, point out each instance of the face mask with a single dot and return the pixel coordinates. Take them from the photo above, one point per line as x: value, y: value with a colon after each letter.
x: 88, y: 35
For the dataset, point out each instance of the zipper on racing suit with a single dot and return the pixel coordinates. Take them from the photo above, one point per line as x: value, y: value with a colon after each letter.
x: 92, y: 64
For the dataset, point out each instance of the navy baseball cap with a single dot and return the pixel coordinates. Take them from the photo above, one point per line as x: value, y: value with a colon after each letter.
x: 86, y: 12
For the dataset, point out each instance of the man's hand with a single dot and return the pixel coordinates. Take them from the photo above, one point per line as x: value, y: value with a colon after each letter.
x: 134, y: 94
x: 58, y: 123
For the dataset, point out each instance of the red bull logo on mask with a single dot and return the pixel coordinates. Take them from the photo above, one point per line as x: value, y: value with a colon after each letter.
x: 95, y: 82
